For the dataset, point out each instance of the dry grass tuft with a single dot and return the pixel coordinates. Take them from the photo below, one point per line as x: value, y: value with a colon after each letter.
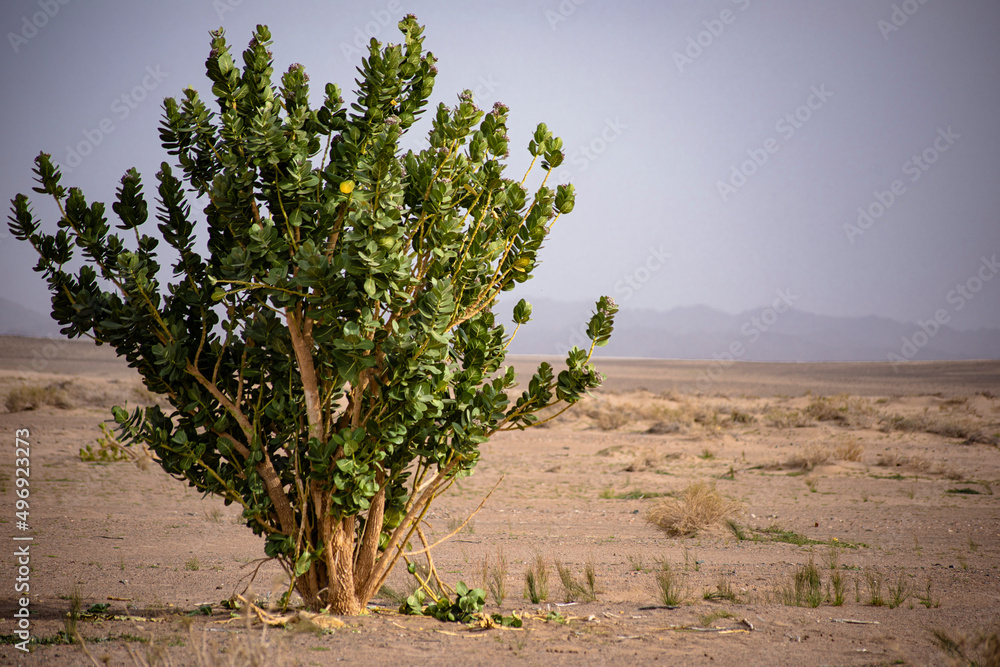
x: 699, y: 506
x: 778, y: 418
x: 844, y: 409
x: 894, y: 459
x: 33, y: 396
x: 645, y: 459
x: 609, y: 417
x: 663, y: 428
x: 850, y: 451
x: 947, y: 424
x: 983, y: 648
x: 810, y: 457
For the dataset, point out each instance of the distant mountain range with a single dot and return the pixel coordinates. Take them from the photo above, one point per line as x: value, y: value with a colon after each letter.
x: 696, y: 332
x: 764, y: 334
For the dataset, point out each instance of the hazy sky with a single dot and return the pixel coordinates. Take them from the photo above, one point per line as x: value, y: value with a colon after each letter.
x: 721, y: 150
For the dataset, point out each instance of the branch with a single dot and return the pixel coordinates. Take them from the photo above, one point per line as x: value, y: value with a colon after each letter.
x: 459, y: 529
x: 302, y: 345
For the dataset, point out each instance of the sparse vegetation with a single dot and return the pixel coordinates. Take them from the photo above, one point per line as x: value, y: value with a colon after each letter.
x: 808, y: 458
x: 777, y: 533
x: 671, y: 592
x: 536, y: 580
x: 899, y: 590
x: 926, y: 598
x: 583, y: 590
x: 35, y: 396
x: 698, y: 507
x: 723, y: 591
x: 849, y: 451
x: 497, y: 578
x: 805, y: 587
x: 645, y: 459
x: 874, y: 581
x: 835, y: 588
x: 607, y: 416
x: 707, y: 619
x: 781, y: 418
x: 982, y: 649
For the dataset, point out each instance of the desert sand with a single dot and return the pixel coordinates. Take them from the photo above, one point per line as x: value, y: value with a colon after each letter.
x: 885, y: 479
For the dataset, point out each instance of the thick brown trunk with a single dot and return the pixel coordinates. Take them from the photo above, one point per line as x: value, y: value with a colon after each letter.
x: 340, y: 594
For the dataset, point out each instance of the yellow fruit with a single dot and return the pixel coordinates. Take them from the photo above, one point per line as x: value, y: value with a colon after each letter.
x: 347, y: 187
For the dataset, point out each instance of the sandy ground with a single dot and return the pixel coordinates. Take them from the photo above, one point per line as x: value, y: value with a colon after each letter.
x: 883, y: 478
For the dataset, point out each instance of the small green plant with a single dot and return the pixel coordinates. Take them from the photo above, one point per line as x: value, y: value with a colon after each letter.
x: 809, y: 585
x: 671, y: 592
x: 723, y: 591
x: 927, y: 599
x: 576, y: 590
x: 899, y: 590
x: 635, y: 560
x: 607, y: 493
x: 835, y: 588
x: 812, y: 484
x: 497, y: 579
x: 456, y: 525
x: 73, y: 615
x: 638, y: 494
x: 109, y: 448
x: 874, y: 580
x: 192, y: 564
x: 536, y: 580
x: 706, y: 454
x: 707, y: 619
x: 691, y: 561
x: 832, y: 557
x: 737, y: 530
x: 805, y: 587
x: 468, y: 602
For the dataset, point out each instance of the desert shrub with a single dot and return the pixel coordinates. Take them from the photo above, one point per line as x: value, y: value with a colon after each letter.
x: 645, y: 459
x: 34, y: 396
x: 808, y: 457
x: 847, y: 410
x: 333, y: 362
x: 663, y: 428
x: 779, y: 418
x: 609, y: 417
x: 698, y: 507
x: 849, y: 451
